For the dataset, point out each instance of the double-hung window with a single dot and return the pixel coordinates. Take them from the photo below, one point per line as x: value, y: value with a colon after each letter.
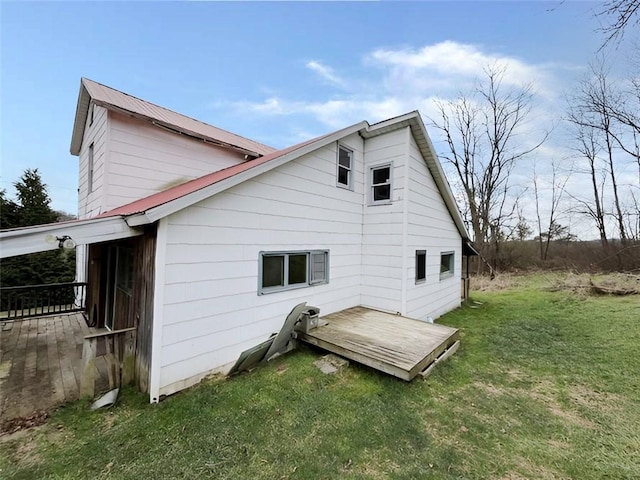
x: 287, y: 270
x: 345, y: 166
x: 90, y: 170
x: 381, y: 184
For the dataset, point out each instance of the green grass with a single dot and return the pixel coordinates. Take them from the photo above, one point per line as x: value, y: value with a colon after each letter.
x: 545, y: 385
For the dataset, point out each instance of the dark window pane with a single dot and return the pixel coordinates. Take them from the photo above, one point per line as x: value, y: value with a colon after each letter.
x: 343, y: 176
x: 381, y: 175
x: 272, y: 271
x: 446, y: 263
x: 344, y: 158
x: 421, y: 265
x: 381, y: 192
x: 297, y: 269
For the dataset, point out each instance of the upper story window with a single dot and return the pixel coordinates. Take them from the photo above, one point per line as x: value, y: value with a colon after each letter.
x: 288, y: 270
x: 446, y: 264
x: 91, y: 109
x: 381, y: 184
x: 421, y: 266
x: 90, y: 170
x: 345, y: 166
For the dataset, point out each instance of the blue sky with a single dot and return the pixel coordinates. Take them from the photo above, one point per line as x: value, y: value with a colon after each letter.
x: 275, y: 72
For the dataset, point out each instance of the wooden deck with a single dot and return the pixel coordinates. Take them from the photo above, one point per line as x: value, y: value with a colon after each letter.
x: 41, y: 362
x: 393, y: 344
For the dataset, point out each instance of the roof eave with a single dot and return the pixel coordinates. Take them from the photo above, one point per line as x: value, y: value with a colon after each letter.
x: 82, y: 112
x: 21, y: 241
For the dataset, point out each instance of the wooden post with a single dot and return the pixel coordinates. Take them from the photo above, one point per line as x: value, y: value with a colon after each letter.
x: 120, y: 358
x: 88, y: 380
x: 129, y: 358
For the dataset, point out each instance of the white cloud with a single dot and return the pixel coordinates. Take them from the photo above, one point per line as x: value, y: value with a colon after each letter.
x: 395, y: 81
x: 326, y: 73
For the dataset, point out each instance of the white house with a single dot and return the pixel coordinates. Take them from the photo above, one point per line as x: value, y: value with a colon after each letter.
x: 204, y: 240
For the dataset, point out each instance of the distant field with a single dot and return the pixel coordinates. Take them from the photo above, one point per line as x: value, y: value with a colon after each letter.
x: 546, y: 385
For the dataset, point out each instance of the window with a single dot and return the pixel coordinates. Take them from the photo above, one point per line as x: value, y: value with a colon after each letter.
x: 287, y: 270
x: 345, y: 164
x: 421, y: 266
x: 446, y: 264
x: 90, y: 170
x: 381, y: 184
x: 91, y: 114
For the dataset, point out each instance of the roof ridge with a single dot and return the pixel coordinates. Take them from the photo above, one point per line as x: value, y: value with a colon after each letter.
x: 178, y: 113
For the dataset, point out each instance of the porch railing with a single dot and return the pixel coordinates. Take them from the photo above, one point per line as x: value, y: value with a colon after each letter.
x: 37, y: 300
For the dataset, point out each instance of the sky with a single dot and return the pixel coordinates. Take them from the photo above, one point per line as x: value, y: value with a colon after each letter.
x: 278, y: 73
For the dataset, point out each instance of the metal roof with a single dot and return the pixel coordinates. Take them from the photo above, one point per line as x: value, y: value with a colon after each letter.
x: 150, y: 209
x: 112, y: 99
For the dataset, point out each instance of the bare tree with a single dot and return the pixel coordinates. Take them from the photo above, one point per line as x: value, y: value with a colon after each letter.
x: 558, y: 185
x: 618, y: 16
x: 481, y: 129
x: 594, y: 107
x: 587, y: 147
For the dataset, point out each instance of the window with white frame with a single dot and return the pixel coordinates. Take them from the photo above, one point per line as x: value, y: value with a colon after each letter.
x: 90, y: 170
x: 421, y: 266
x: 345, y: 166
x: 287, y: 270
x: 381, y: 184
x: 446, y: 264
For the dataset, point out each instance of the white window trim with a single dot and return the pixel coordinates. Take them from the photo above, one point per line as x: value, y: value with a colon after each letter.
x: 421, y: 280
x: 371, y: 186
x: 349, y: 185
x: 452, y: 265
x: 286, y: 253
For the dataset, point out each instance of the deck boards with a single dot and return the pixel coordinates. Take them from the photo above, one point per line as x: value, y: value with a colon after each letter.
x: 40, y: 362
x: 396, y: 345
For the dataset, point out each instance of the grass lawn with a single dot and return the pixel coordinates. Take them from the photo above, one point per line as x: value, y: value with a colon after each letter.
x: 545, y: 385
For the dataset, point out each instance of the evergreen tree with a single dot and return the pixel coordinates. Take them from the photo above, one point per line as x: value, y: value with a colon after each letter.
x: 33, y: 208
x: 8, y: 211
x: 34, y: 200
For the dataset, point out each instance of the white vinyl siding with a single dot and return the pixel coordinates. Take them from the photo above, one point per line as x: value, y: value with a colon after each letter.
x: 430, y: 228
x: 92, y: 162
x: 144, y: 159
x: 382, y: 230
x: 211, y: 310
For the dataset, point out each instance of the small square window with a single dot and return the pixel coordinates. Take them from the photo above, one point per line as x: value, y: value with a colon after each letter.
x: 421, y: 265
x: 345, y: 165
x: 446, y: 264
x: 381, y: 184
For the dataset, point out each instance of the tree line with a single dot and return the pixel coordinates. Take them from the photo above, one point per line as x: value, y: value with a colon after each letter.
x: 487, y: 133
x: 32, y: 206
